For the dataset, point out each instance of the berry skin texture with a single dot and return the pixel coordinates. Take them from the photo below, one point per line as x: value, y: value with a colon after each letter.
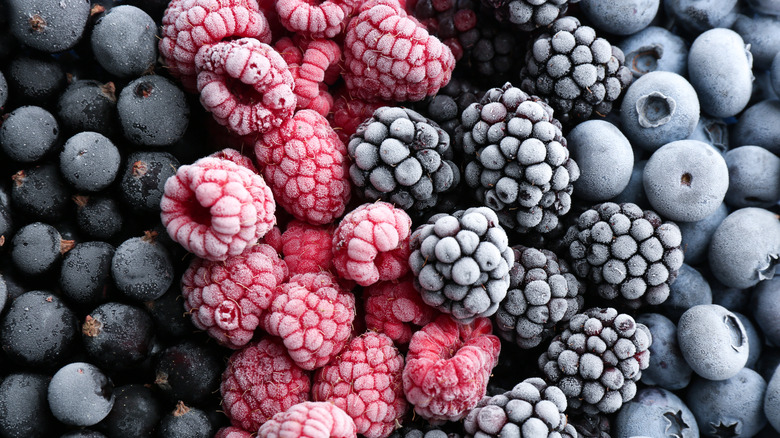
x: 47, y: 25
x: 188, y: 25
x: 448, y: 366
x: 228, y: 298
x: 305, y: 164
x: 395, y: 308
x: 313, y: 316
x: 312, y: 65
x: 80, y: 394
x: 371, y: 244
x: 365, y: 381
x: 260, y: 381
x: 232, y: 432
x: 389, y: 56
x: 315, y: 19
x: 215, y: 208
x: 307, y: 248
x: 348, y: 112
x: 309, y: 420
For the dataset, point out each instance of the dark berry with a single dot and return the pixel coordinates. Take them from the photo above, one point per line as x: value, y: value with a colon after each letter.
x: 153, y: 111
x: 171, y: 320
x: 189, y: 371
x: 89, y: 161
x: 80, y: 394
x: 24, y: 409
x: 6, y: 218
x: 83, y: 433
x: 85, y: 274
x: 88, y: 105
x: 185, y: 422
x: 98, y: 217
x: 136, y: 412
x: 36, y: 80
x: 124, y: 41
x: 29, y: 133
x: 117, y: 336
x: 141, y: 268
x: 48, y: 25
x: 3, y: 91
x: 37, y: 248
x: 143, y: 179
x: 40, y: 193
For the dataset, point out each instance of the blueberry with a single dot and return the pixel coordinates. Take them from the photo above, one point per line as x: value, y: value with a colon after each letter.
x: 688, y: 290
x: 143, y: 179
x: 713, y: 341
x: 774, y: 73
x: 141, y: 268
x: 758, y: 126
x: 189, y: 371
x: 712, y: 131
x: 731, y: 407
x: 719, y: 68
x: 85, y: 274
x: 696, y: 236
x: 755, y: 340
x: 98, y: 217
x: 28, y: 134
x: 736, y: 300
x: 136, y: 412
x: 772, y: 400
x: 685, y: 180
x: 124, y: 41
x: 37, y: 248
x: 655, y: 49
x: 185, y: 422
x: 40, y: 193
x: 620, y: 17
x: 658, y: 108
x: 745, y: 248
x: 80, y: 394
x: 35, y: 80
x: 754, y: 177
x: 153, y: 111
x: 762, y: 32
x: 634, y: 193
x: 766, y: 306
x: 605, y: 158
x: 668, y: 369
x: 117, y: 336
x: 696, y: 16
x: 89, y: 161
x: 88, y: 105
x: 24, y: 410
x: 48, y: 25
x: 657, y: 412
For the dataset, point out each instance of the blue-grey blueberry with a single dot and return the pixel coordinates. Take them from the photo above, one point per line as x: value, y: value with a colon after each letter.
x: 755, y: 340
x: 696, y: 235
x: 765, y: 303
x: 754, y: 177
x: 620, y: 17
x: 697, y: 16
x: 655, y: 49
x: 605, y: 158
x: 713, y: 131
x: 774, y: 73
x: 635, y: 190
x: 689, y: 289
x: 772, y: 400
x: 762, y: 32
x: 758, y: 126
x: 668, y: 369
x: 658, y: 413
x: 713, y: 341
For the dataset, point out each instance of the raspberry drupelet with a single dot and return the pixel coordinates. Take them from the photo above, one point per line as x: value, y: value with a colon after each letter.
x: 348, y: 112
x: 306, y: 167
x: 371, y: 244
x: 314, y: 66
x: 307, y: 248
x: 228, y: 298
x: 395, y: 308
x: 365, y: 381
x: 215, y: 208
x: 309, y: 420
x: 260, y: 381
x: 325, y: 19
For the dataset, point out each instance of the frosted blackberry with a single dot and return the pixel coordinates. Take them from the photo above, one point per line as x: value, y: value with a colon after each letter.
x: 427, y: 431
x: 597, y: 360
x: 578, y: 73
x: 452, y: 21
x: 494, y: 55
x: 519, y: 164
x: 625, y: 252
x: 401, y: 157
x: 445, y: 107
x: 542, y: 293
x: 532, y: 409
x: 528, y: 15
x: 461, y: 262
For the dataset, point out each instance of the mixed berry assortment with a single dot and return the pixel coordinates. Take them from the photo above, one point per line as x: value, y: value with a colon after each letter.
x: 389, y: 218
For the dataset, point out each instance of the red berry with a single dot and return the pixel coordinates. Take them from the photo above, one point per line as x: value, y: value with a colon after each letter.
x: 394, y: 307
x: 309, y: 61
x: 348, y: 112
x: 314, y: 19
x: 232, y: 432
x: 309, y: 420
x: 307, y: 248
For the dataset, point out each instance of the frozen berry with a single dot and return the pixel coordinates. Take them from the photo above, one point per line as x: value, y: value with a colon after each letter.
x: 48, y: 25
x: 309, y: 420
x: 28, y: 134
x: 124, y: 41
x: 37, y: 249
x: 143, y: 179
x: 185, y: 422
x: 136, y: 412
x: 307, y: 248
x: 188, y: 371
x: 88, y: 105
x: 117, y: 336
x: 40, y: 193
x: 152, y: 111
x: 85, y: 274
x: 142, y: 268
x: 80, y: 394
x: 24, y: 408
x: 396, y: 309
x: 89, y: 161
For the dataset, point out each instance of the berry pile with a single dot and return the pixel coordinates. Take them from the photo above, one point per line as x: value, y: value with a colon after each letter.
x: 389, y: 218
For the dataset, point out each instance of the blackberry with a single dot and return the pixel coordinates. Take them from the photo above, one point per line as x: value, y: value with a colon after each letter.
x: 528, y: 15
x: 625, y: 252
x: 542, y: 293
x: 591, y: 426
x: 577, y: 72
x: 597, y: 360
x: 532, y: 409
x: 445, y: 107
x: 401, y: 157
x: 452, y: 21
x: 461, y: 262
x: 493, y: 52
x: 518, y: 161
x: 413, y: 430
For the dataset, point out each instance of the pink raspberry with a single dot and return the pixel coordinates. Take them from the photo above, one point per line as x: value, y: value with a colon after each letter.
x: 365, y: 381
x: 245, y: 85
x: 189, y: 25
x: 236, y: 157
x: 307, y: 248
x: 371, y: 244
x: 274, y: 238
x: 228, y: 298
x: 448, y: 366
x: 309, y: 420
x: 347, y: 113
x: 388, y: 55
x: 314, y: 19
x: 215, y: 208
x: 259, y: 382
x: 233, y: 432
x: 393, y: 307
x: 307, y: 167
x: 311, y: 64
x: 313, y: 316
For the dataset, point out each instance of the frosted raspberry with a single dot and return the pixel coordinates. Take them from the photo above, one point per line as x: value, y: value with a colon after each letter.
x: 259, y: 382
x: 313, y: 316
x: 188, y: 25
x: 307, y: 248
x: 448, y: 366
x: 245, y: 85
x: 365, y: 381
x: 314, y: 19
x: 394, y: 307
x: 309, y: 420
x: 306, y: 166
x: 312, y: 64
x: 215, y: 208
x: 236, y: 157
x: 371, y: 244
x: 274, y: 238
x: 347, y: 113
x: 228, y: 298
x: 232, y: 432
x: 387, y: 55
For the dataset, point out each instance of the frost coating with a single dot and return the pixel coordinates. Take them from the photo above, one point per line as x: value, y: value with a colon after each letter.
x: 655, y: 109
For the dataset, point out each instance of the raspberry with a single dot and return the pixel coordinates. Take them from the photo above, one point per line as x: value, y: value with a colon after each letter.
x: 347, y: 113
x: 307, y: 248
x: 274, y: 238
x: 259, y: 382
x: 309, y: 420
x: 246, y: 85
x: 189, y: 25
x: 306, y: 166
x: 228, y: 298
x: 389, y: 56
x: 365, y: 381
x: 447, y: 367
x: 232, y: 432
x: 236, y: 157
x: 314, y: 19
x: 372, y: 243
x: 393, y: 307
x: 313, y: 316
x: 215, y: 208
x: 311, y: 64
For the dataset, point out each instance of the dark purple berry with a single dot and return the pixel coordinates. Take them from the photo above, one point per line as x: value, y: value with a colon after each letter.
x: 190, y: 372
x: 117, y: 336
x: 141, y: 268
x: 80, y: 394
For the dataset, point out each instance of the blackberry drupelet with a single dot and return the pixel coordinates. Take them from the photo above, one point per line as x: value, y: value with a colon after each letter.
x: 518, y: 161
x: 446, y: 106
x: 597, y: 360
x: 577, y: 72
x: 461, y: 262
x: 401, y: 157
x: 625, y: 252
x: 532, y: 409
x: 542, y: 293
x: 493, y: 52
x: 411, y: 429
x: 452, y: 21
x: 528, y: 15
